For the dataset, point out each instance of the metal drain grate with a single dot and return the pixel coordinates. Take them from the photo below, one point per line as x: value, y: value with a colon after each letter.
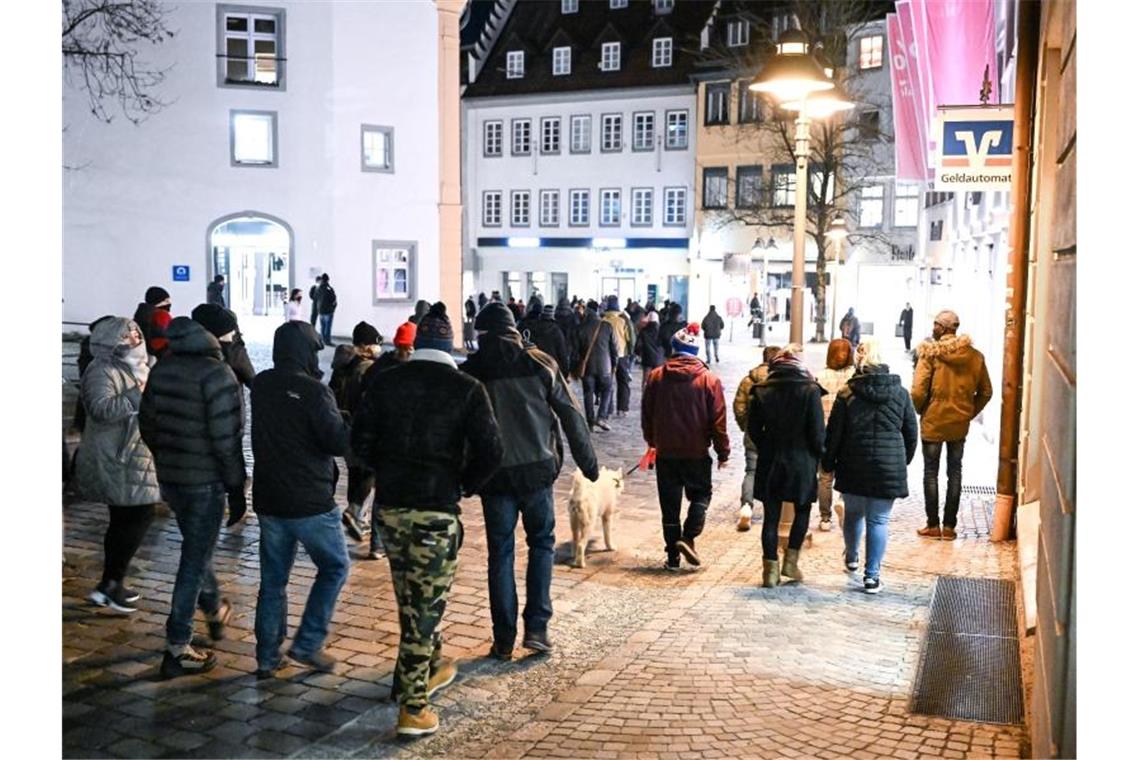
x: 971, y: 664
x: 980, y: 490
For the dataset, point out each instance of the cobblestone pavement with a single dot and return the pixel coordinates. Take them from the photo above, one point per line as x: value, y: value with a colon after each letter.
x: 648, y: 664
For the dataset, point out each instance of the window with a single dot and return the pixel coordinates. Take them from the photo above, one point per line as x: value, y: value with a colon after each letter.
x: 611, y: 56
x: 782, y: 23
x: 520, y: 137
x: 716, y: 187
x: 520, y: 208
x: 749, y: 104
x: 552, y: 135
x: 871, y: 52
x: 492, y: 208
x: 676, y: 130
x: 569, y: 6
x: 579, y: 134
x: 253, y: 138
x: 675, y: 205
x: 936, y: 230
x: 871, y: 206
x: 492, y: 138
x: 251, y: 47
x: 662, y: 52
x: 610, y: 213
x: 561, y: 61
x: 642, y: 207
x: 737, y: 33
x: 376, y: 148
x: 906, y: 205
x: 643, y: 131
x: 548, y: 208
x: 616, y: 4
x: 749, y: 186
x: 663, y: 6
x: 784, y: 185
x: 869, y: 125
x: 515, y: 64
x: 579, y: 208
x: 611, y: 132
x: 716, y: 103
x: 393, y: 268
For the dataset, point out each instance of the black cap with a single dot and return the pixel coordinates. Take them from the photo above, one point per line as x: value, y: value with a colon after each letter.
x: 155, y: 295
x: 365, y: 334
x: 495, y: 317
x: 217, y: 320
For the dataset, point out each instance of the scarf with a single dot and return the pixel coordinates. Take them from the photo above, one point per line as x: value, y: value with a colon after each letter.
x: 790, y: 363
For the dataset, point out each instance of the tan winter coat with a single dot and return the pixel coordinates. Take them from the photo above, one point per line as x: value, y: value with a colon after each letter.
x: 951, y: 387
x: 833, y: 381
x: 623, y: 331
x: 757, y: 374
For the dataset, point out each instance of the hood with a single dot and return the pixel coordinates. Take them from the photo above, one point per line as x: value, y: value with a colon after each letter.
x: 500, y: 346
x: 875, y: 384
x: 343, y: 356
x: 295, y: 348
x: 108, y: 335
x: 683, y: 368
x: 187, y: 337
x: 779, y: 374
x: 422, y: 308
x: 952, y: 349
x: 758, y: 374
x: 563, y: 308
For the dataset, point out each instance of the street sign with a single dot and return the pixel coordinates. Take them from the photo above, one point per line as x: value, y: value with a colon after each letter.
x: 975, y: 148
x: 734, y: 307
x: 181, y: 273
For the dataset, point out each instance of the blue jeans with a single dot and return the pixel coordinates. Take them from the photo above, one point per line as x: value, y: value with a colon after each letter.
x: 326, y: 328
x: 748, y: 487
x: 323, y: 539
x: 199, y: 511
x: 712, y: 346
x: 501, y: 515
x: 876, y: 513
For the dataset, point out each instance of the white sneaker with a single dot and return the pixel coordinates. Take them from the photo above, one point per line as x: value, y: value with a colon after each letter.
x: 825, y: 525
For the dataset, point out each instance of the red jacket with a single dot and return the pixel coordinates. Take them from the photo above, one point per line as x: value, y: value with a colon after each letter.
x: 683, y: 410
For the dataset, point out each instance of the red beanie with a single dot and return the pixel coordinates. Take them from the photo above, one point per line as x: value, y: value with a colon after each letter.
x: 405, y: 335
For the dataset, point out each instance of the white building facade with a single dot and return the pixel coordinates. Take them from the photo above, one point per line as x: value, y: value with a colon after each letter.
x: 285, y: 152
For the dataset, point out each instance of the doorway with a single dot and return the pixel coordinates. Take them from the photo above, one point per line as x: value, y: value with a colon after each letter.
x: 254, y: 252
x: 625, y: 288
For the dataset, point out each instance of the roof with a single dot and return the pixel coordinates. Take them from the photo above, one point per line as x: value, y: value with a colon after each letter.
x: 538, y: 27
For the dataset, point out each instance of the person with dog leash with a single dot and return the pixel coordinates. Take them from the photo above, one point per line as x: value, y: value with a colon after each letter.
x: 682, y: 412
x: 430, y: 435
x: 756, y: 375
x: 530, y: 399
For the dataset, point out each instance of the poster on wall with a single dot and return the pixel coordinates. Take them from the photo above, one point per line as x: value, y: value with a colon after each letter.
x: 975, y: 148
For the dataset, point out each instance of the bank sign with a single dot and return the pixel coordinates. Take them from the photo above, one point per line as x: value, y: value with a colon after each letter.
x: 975, y: 149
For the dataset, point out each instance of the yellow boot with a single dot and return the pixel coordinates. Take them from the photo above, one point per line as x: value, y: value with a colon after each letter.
x: 791, y: 568
x: 771, y: 573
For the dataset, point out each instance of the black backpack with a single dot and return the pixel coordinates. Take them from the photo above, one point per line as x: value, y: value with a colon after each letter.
x: 328, y: 300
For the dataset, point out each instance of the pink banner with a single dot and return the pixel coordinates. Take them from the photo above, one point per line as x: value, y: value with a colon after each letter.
x: 910, y: 155
x: 960, y: 44
x: 919, y: 79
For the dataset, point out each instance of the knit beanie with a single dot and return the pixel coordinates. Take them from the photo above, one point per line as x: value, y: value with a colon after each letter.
x: 612, y: 304
x: 592, y: 305
x: 548, y: 311
x: 155, y: 295
x: 365, y: 334
x: 218, y: 320
x: 434, y: 329
x: 685, y: 342
x: 405, y: 335
x: 495, y: 317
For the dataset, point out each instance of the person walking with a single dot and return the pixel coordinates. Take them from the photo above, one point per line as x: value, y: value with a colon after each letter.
x: 951, y: 387
x: 624, y: 334
x: 216, y: 291
x: 533, y: 405
x: 839, y: 369
x: 293, y: 308
x: 872, y: 435
x: 712, y: 326
x: 192, y: 418
x: 567, y: 321
x: 740, y: 403
x: 153, y: 317
x: 469, y: 324
x: 906, y: 322
x: 430, y: 434
x: 682, y: 412
x: 222, y: 324
x: 544, y: 333
x: 850, y: 328
x: 671, y: 323
x: 349, y: 365
x: 297, y: 430
x: 648, y: 346
x: 785, y: 421
x: 326, y: 308
x: 113, y: 465
x: 482, y: 300
x: 315, y: 301
x: 596, y: 345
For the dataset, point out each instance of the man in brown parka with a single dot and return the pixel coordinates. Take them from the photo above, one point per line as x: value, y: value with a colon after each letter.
x: 951, y: 387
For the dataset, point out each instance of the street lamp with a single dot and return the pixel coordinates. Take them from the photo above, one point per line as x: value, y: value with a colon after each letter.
x: 791, y: 77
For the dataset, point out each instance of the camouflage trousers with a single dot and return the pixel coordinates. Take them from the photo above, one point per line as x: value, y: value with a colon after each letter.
x: 423, y: 552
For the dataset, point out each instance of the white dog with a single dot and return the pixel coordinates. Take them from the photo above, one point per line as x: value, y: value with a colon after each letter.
x: 588, y: 501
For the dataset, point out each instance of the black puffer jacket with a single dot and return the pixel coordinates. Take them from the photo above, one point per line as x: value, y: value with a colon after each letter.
x: 785, y: 421
x: 297, y: 429
x: 604, y: 355
x: 546, y: 334
x: 530, y: 397
x: 428, y: 431
x: 872, y: 435
x: 191, y: 415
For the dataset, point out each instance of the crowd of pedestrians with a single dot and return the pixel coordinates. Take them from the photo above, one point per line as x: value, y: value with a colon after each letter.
x: 163, y: 414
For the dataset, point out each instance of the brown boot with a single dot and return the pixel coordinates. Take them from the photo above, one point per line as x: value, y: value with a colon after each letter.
x: 771, y: 573
x: 791, y: 568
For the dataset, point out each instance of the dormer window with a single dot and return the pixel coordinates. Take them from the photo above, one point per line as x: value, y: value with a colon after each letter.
x: 611, y: 56
x: 617, y: 4
x: 561, y: 61
x: 662, y: 7
x: 569, y: 6
x: 515, y: 64
x: 662, y: 52
x: 737, y: 33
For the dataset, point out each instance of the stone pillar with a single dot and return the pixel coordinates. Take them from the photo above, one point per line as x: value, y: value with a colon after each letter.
x: 450, y: 200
